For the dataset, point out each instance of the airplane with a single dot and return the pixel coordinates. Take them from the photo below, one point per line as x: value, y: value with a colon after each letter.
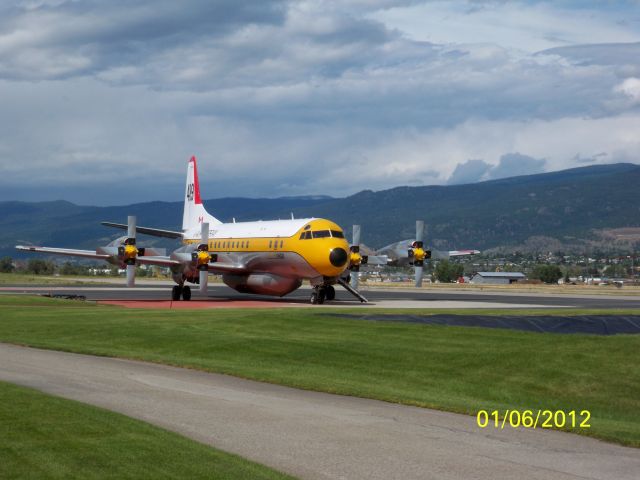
x: 261, y: 257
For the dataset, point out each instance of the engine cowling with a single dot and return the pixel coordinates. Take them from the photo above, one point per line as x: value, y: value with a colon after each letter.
x: 261, y: 283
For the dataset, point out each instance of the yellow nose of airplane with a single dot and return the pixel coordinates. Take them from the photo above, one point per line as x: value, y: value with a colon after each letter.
x: 325, y: 248
x: 332, y: 260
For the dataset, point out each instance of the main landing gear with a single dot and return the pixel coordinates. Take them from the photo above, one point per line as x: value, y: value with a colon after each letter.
x: 183, y: 291
x: 321, y: 293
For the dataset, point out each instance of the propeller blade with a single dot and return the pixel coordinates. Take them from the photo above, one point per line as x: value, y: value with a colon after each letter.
x: 355, y: 270
x: 131, y: 275
x: 203, y: 274
x: 419, y: 230
x: 356, y: 235
x: 204, y: 280
x: 419, y: 253
x: 204, y: 233
x: 131, y: 226
x: 131, y: 265
x: 355, y: 279
x: 419, y: 273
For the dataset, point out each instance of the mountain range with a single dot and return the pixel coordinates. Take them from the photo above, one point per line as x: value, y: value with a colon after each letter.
x: 576, y: 208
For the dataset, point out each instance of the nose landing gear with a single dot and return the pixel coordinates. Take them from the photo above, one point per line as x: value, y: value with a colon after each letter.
x: 321, y: 293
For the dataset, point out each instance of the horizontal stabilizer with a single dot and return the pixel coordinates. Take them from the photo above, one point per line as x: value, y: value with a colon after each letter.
x: 154, y: 232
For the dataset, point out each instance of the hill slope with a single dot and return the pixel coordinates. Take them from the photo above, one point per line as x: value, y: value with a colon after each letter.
x: 567, y: 205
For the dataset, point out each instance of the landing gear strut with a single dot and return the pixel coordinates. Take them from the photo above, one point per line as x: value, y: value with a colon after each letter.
x: 181, y: 291
x: 318, y: 295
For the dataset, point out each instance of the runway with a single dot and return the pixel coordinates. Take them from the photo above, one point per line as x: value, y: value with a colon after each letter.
x: 315, y: 435
x: 219, y: 295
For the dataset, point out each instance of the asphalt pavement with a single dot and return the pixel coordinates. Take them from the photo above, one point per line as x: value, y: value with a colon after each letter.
x: 316, y: 435
x: 391, y: 298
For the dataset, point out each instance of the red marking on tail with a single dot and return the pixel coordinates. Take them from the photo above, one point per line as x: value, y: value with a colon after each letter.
x: 196, y: 183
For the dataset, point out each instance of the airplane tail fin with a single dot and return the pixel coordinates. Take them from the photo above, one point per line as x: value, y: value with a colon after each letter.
x: 194, y: 211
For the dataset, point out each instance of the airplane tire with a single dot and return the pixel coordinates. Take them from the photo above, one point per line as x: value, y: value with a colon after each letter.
x: 321, y: 296
x: 175, y: 292
x: 186, y: 293
x: 330, y: 293
x: 314, y: 298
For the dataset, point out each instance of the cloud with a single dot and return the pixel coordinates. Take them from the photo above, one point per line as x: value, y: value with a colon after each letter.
x: 470, y: 171
x: 630, y: 88
x: 516, y: 164
x: 306, y: 97
x: 509, y: 165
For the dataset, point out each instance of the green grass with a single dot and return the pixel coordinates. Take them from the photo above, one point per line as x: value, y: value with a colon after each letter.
x: 28, y: 278
x: 449, y: 368
x: 50, y: 437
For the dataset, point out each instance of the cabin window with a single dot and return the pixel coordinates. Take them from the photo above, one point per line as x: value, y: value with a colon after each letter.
x: 305, y: 235
x: 321, y: 234
x: 337, y: 234
x: 281, y: 243
x: 270, y: 243
x: 307, y: 227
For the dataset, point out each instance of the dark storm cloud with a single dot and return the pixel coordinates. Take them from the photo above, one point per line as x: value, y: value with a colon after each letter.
x: 65, y: 39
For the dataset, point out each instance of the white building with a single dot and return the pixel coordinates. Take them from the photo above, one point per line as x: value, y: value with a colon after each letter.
x: 498, y: 278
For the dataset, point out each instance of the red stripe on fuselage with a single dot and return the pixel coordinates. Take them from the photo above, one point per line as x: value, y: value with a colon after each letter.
x: 196, y: 183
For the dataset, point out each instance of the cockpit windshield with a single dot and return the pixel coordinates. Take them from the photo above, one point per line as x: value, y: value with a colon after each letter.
x: 321, y: 234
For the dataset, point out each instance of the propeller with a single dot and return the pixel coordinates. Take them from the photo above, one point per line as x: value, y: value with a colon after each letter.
x: 418, y: 254
x: 201, y: 257
x: 128, y: 251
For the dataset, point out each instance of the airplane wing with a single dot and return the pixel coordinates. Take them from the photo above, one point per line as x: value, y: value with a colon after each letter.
x: 65, y: 251
x: 155, y: 232
x: 462, y: 253
x: 377, y: 260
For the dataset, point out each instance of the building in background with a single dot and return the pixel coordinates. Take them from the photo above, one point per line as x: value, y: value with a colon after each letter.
x: 498, y: 278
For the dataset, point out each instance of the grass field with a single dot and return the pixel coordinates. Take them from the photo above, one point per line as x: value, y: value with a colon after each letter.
x: 50, y: 437
x: 450, y: 368
x: 27, y: 278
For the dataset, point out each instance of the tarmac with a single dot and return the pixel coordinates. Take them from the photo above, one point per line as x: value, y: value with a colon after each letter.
x: 157, y: 296
x: 316, y: 435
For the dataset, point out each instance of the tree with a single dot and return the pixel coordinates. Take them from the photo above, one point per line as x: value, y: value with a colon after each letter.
x: 447, y: 272
x: 547, y: 273
x: 6, y: 265
x: 40, y: 267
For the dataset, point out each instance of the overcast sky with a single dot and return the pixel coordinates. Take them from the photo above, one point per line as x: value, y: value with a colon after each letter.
x: 103, y: 102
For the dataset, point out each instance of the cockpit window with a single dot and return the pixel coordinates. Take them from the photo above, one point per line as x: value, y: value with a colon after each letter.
x: 321, y: 234
x: 337, y: 234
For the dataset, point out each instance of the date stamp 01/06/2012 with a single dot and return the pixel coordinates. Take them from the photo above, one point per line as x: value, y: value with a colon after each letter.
x: 533, y: 419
